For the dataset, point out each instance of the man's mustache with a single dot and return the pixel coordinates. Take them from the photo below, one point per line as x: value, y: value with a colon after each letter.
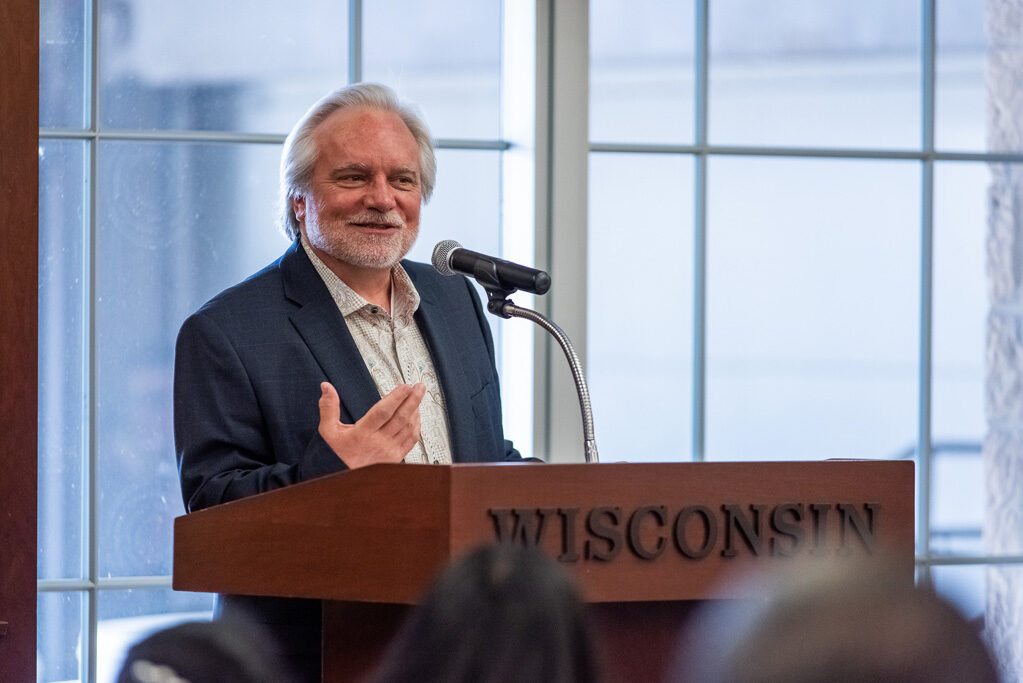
x: 391, y: 218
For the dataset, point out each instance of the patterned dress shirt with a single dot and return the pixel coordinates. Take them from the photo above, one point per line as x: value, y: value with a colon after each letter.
x: 395, y: 352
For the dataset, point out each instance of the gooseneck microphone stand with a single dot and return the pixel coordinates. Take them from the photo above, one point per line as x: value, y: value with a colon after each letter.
x: 500, y: 305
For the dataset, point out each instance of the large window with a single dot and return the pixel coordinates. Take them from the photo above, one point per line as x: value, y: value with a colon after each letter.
x: 160, y: 133
x: 800, y: 188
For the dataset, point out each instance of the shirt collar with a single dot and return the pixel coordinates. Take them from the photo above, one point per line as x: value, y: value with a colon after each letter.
x: 404, y: 296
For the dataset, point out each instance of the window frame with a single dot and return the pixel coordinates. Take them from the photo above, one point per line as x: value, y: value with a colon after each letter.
x: 926, y: 155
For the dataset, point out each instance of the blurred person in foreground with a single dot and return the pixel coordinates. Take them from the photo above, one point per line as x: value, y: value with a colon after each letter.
x: 202, y: 652
x: 340, y: 354
x: 833, y: 623
x: 501, y: 614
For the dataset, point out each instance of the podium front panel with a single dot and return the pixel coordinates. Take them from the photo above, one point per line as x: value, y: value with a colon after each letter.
x: 683, y: 531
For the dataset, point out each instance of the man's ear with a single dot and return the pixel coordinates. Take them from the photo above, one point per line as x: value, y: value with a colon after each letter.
x: 298, y: 206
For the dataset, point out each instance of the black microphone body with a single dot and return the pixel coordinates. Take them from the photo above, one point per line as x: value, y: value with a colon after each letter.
x: 449, y: 257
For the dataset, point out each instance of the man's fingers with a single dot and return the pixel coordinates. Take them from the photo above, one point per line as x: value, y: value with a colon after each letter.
x: 386, y: 433
x: 406, y: 412
x: 330, y: 406
x: 377, y: 416
x: 407, y: 437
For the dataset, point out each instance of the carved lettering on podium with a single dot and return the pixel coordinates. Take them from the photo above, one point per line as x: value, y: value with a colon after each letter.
x: 600, y: 534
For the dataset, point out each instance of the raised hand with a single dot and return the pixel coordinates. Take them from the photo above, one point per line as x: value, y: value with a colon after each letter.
x: 386, y: 433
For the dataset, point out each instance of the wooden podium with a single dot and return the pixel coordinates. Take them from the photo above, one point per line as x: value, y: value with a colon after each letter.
x: 646, y: 542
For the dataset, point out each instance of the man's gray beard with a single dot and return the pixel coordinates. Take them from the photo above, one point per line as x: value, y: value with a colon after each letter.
x: 367, y: 251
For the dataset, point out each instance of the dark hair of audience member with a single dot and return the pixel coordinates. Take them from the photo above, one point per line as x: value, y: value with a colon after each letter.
x: 850, y: 625
x: 502, y: 613
x: 202, y: 652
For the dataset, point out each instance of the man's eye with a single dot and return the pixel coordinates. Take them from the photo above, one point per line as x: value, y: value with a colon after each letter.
x: 351, y: 178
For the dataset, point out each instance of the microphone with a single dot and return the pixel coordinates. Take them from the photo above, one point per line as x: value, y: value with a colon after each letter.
x: 449, y: 258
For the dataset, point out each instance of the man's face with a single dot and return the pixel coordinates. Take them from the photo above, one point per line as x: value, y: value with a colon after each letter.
x: 362, y: 207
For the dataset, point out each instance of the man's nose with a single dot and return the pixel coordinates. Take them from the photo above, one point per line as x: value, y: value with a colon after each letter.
x: 380, y: 195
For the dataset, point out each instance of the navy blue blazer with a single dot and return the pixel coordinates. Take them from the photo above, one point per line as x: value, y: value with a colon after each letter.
x: 249, y: 363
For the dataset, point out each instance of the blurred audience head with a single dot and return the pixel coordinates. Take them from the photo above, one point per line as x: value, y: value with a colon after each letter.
x: 202, y: 652
x: 851, y: 624
x: 502, y: 613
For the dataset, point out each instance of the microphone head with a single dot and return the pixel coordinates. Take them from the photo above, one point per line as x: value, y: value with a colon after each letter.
x: 442, y: 255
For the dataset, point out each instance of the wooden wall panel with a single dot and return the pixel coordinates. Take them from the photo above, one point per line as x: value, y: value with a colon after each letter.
x: 19, y: 179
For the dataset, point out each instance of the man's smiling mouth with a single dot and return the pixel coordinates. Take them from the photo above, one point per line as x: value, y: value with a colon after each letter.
x: 377, y: 226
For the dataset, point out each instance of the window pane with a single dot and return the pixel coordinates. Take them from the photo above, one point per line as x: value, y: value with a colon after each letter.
x: 641, y: 71
x: 62, y: 65
x: 256, y: 70
x: 444, y: 56
x: 639, y: 315
x: 60, y: 636
x: 465, y: 206
x: 960, y: 308
x: 963, y: 586
x: 815, y: 73
x: 812, y: 308
x: 958, y: 495
x: 167, y: 241
x: 126, y: 617
x: 62, y: 387
x: 961, y: 96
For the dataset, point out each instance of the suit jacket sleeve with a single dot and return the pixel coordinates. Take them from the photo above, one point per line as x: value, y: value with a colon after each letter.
x: 224, y: 449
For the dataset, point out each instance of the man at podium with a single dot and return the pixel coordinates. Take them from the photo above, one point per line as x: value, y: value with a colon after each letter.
x: 339, y: 354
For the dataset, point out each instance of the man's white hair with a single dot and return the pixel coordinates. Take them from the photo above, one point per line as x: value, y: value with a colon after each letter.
x: 299, y: 155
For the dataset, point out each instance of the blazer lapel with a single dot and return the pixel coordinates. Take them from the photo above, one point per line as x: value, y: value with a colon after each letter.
x: 444, y: 350
x: 322, y: 327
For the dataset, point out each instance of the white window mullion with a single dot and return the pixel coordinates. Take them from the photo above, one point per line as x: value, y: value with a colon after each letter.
x: 562, y: 171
